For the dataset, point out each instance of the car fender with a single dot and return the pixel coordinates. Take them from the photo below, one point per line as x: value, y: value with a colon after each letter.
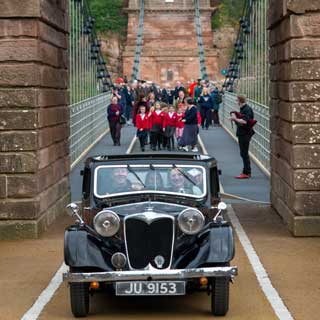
x: 216, y: 247
x: 81, y: 251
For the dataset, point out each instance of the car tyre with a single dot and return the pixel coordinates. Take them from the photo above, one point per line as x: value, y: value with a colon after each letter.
x: 220, y: 296
x: 79, y: 298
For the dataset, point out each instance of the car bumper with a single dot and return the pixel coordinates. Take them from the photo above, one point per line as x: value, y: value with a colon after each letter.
x: 138, y: 275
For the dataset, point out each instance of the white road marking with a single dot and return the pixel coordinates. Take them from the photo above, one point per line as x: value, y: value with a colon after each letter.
x: 46, y: 295
x: 270, y: 292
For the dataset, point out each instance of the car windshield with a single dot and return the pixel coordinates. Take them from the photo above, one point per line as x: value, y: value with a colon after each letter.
x: 112, y: 180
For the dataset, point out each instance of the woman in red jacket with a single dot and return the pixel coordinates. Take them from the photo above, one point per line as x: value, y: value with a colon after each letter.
x: 143, y: 125
x: 156, y: 122
x: 169, y: 127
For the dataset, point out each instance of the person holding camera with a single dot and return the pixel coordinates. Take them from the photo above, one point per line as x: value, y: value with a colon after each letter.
x: 244, y: 121
x: 115, y: 110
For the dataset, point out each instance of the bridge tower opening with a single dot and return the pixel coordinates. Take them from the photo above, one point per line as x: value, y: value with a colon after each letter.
x: 169, y: 40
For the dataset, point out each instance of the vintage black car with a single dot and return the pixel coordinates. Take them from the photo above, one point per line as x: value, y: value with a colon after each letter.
x: 149, y: 224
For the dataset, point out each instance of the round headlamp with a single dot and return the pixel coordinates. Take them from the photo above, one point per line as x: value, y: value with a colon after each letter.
x: 106, y: 223
x: 191, y: 221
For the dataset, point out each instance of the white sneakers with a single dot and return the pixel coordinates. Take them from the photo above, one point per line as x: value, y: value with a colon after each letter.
x: 195, y: 149
x: 185, y: 148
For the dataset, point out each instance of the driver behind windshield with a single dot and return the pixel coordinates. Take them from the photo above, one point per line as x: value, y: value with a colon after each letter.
x: 117, y: 184
x: 180, y: 184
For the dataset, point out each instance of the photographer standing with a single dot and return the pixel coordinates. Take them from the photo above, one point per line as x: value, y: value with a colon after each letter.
x: 243, y: 121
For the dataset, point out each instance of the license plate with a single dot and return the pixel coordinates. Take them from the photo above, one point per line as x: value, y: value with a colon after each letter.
x: 150, y: 288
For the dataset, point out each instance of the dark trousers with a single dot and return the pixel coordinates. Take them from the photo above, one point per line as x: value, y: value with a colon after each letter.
x: 215, y: 116
x: 244, y: 142
x: 155, y: 139
x: 128, y: 112
x: 115, y: 130
x: 143, y: 136
x: 205, y: 117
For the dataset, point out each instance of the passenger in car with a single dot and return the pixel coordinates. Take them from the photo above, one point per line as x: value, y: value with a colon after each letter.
x: 180, y: 184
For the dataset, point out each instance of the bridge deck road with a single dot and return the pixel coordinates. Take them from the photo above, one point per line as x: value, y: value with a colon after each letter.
x: 28, y: 266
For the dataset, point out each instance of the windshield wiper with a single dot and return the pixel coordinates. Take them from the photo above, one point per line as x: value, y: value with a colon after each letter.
x: 136, y: 175
x: 185, y: 175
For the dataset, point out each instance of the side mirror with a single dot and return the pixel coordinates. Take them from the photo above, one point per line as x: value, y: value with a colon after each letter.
x: 222, y: 206
x: 73, y: 211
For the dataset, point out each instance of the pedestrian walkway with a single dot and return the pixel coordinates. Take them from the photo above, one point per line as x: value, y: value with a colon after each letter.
x: 217, y: 142
x: 226, y: 150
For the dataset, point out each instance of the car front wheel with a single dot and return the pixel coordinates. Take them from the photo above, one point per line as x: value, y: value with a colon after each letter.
x: 79, y: 297
x: 220, y: 296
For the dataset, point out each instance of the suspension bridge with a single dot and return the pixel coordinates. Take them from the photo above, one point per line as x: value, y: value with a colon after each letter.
x: 54, y: 90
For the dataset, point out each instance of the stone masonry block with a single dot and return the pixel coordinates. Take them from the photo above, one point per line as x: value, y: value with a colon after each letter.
x: 51, y: 174
x: 17, y: 98
x: 19, y: 50
x: 18, y: 162
x: 52, y: 97
x: 18, y: 28
x: 50, y: 135
x: 50, y: 154
x: 307, y: 180
x: 298, y: 6
x: 53, y: 36
x: 306, y: 112
x: 307, y: 203
x: 276, y: 11
x: 53, y: 116
x: 18, y: 141
x: 18, y: 119
x: 306, y: 157
x: 22, y: 186
x: 18, y: 8
x: 19, y: 209
x: 52, y: 13
x: 295, y: 26
x: 302, y: 49
x: 3, y: 186
x: 54, y: 193
x: 307, y: 134
x: 54, y: 78
x: 19, y: 75
x: 299, y: 91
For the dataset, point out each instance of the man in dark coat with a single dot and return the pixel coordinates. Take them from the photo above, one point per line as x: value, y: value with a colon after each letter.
x: 244, y: 134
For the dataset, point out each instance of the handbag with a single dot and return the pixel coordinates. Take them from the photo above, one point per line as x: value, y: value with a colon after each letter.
x: 122, y: 119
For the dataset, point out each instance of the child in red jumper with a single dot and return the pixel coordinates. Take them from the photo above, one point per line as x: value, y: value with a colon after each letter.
x: 156, y: 121
x: 169, y: 127
x: 179, y: 124
x: 142, y: 124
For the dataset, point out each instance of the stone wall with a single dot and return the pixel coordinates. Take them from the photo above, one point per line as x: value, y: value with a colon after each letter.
x: 34, y: 119
x: 295, y: 104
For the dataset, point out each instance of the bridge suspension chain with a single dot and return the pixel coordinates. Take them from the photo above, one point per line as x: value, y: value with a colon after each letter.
x: 203, y: 69
x: 136, y: 66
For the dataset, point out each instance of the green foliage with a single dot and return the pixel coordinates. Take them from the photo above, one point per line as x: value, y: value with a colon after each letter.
x: 109, y: 15
x: 228, y: 14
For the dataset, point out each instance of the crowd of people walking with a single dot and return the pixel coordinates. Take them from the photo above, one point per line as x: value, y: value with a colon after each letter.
x: 170, y: 118
x: 167, y: 118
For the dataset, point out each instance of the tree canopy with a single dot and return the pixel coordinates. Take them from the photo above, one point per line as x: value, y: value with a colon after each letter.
x: 109, y: 15
x: 228, y: 14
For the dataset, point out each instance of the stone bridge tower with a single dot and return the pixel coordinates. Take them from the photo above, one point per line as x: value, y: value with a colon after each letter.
x: 170, y: 46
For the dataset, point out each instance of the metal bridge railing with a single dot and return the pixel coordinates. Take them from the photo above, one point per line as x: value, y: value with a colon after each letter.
x: 203, y: 69
x: 260, y: 143
x: 136, y: 64
x: 88, y: 122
